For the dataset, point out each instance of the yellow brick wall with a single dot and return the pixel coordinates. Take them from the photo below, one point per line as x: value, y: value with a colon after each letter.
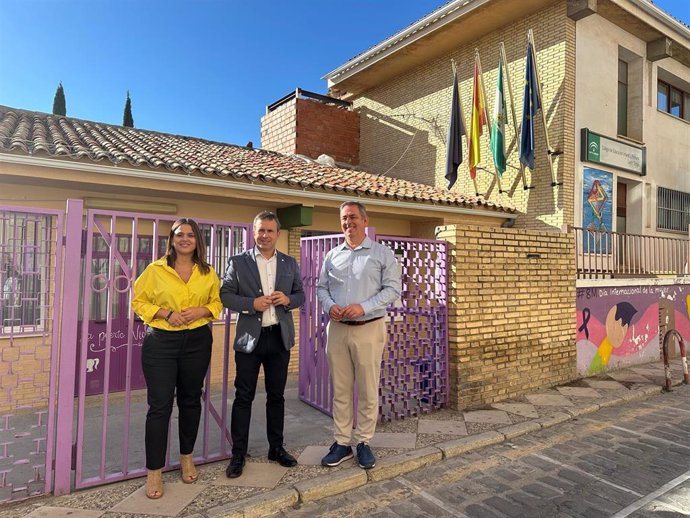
x: 294, y: 237
x: 511, y: 317
x: 24, y: 372
x: 279, y: 128
x: 404, y: 122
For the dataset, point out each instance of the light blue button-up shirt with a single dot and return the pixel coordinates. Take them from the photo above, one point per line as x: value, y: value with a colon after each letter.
x: 369, y: 276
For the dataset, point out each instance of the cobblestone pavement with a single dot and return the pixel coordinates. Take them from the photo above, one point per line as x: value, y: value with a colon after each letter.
x: 630, y: 460
x: 547, y: 453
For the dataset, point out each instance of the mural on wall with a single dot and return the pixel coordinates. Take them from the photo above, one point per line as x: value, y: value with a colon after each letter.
x: 619, y: 326
x: 597, y: 204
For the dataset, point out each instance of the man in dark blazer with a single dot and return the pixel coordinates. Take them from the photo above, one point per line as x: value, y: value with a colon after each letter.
x: 263, y: 286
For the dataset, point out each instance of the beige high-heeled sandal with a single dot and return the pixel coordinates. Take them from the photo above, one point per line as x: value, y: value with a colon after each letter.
x: 188, y: 471
x: 154, y: 484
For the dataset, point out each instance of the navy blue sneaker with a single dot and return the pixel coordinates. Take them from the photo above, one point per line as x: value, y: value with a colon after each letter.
x: 365, y: 457
x: 337, y: 455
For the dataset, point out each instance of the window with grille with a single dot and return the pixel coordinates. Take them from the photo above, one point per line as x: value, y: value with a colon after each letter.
x: 25, y: 272
x: 673, y: 210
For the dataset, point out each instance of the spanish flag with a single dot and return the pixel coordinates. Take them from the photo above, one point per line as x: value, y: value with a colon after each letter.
x: 478, y: 122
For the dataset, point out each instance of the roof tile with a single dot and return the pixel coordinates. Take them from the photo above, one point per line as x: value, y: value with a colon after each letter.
x: 45, y: 134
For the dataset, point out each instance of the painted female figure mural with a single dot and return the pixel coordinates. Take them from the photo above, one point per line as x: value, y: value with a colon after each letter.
x: 617, y: 322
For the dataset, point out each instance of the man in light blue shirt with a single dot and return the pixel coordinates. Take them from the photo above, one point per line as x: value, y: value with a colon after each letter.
x: 358, y: 279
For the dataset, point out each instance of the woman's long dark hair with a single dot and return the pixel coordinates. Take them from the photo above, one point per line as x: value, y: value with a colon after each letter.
x: 199, y: 256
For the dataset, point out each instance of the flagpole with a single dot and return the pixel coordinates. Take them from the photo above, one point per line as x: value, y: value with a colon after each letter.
x: 549, y: 151
x: 512, y: 112
x: 467, y: 138
x: 486, y: 114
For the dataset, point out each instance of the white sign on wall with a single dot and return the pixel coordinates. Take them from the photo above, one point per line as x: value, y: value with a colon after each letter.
x: 604, y: 150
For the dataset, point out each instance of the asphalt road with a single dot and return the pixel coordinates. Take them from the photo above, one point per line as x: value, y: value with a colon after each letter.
x: 625, y: 461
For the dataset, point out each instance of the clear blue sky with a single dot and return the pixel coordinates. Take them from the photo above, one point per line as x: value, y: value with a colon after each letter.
x: 203, y: 68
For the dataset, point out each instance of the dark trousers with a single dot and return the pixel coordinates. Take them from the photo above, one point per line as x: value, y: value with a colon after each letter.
x: 272, y: 355
x: 174, y: 361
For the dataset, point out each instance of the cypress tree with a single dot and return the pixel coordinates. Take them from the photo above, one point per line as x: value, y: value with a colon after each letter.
x: 59, y: 103
x: 127, y: 119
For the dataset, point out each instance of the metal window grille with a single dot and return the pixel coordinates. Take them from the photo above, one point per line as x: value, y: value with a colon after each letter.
x: 25, y: 271
x: 673, y: 210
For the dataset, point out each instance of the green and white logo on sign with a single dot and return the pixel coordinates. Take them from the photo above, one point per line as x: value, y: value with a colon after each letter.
x: 593, y: 147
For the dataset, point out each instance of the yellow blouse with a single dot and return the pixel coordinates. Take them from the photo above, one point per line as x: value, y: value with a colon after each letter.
x: 159, y: 286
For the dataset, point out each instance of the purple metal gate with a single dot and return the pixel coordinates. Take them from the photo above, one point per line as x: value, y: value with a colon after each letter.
x: 105, y: 437
x: 414, y: 374
x: 30, y: 286
x: 315, y: 386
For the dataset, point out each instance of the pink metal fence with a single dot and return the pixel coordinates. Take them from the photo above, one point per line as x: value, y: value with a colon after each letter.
x: 115, y: 410
x: 30, y: 262
x: 414, y: 373
x: 314, y: 376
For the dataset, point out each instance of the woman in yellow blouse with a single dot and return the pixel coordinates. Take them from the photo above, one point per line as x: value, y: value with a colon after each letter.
x: 177, y: 296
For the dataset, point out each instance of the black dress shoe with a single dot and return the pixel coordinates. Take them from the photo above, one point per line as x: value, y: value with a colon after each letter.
x: 235, y: 467
x: 282, y: 457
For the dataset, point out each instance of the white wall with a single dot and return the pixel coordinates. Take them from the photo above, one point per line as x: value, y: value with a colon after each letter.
x: 666, y: 138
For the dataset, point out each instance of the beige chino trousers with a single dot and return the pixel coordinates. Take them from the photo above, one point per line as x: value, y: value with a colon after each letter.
x: 354, y: 356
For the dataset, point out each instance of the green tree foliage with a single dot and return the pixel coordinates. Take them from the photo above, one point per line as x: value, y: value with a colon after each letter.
x: 59, y: 103
x: 127, y: 119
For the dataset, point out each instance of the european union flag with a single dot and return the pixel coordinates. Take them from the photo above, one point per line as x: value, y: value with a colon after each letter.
x: 530, y: 106
x: 456, y: 130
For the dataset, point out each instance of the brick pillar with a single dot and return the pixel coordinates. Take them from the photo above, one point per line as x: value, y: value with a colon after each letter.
x: 512, y: 314
x: 294, y: 237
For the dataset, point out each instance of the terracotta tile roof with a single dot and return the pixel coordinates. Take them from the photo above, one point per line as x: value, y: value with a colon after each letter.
x: 35, y: 133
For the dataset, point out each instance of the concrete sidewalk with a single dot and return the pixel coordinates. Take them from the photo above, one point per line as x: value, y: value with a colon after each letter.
x: 265, y: 487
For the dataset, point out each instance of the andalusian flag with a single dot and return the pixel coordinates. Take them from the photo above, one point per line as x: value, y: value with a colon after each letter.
x: 498, y: 146
x: 478, y: 122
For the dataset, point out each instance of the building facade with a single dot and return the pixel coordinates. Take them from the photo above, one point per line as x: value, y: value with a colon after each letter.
x: 618, y: 68
x: 614, y: 138
x: 633, y: 88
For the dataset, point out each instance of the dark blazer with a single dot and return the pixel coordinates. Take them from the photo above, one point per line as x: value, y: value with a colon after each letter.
x: 242, y: 284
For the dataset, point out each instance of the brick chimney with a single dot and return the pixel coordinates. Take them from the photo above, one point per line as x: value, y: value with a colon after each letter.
x: 305, y: 123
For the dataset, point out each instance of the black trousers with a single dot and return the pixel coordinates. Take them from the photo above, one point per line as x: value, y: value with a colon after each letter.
x: 173, y: 361
x: 272, y: 355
